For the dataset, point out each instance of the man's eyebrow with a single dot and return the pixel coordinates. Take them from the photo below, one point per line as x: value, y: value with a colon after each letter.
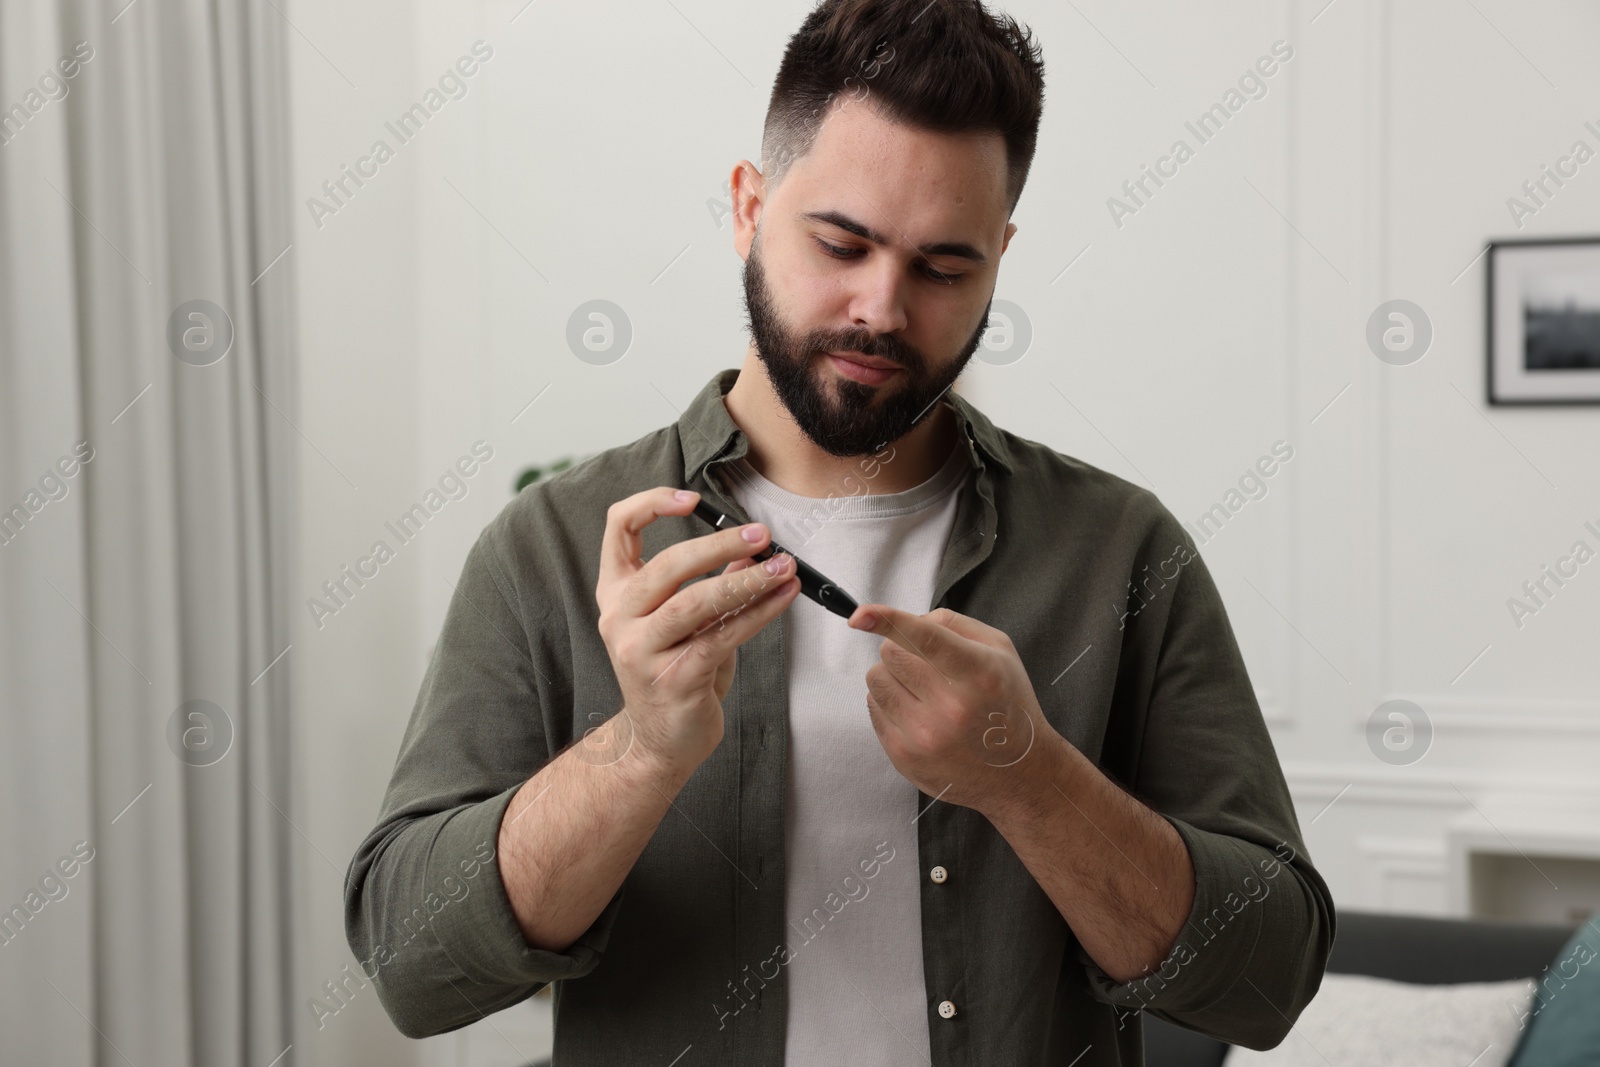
x: 959, y: 249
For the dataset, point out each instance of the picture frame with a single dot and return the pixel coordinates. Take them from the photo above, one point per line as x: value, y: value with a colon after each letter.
x: 1543, y: 321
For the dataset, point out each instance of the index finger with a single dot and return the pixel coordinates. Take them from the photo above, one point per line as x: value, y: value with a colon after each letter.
x: 623, y: 543
x: 918, y: 634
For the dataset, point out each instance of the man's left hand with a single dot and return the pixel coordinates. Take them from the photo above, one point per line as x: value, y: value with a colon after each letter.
x: 953, y: 707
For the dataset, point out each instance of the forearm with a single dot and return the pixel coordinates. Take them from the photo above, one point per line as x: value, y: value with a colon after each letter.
x: 589, y: 819
x: 1119, y: 873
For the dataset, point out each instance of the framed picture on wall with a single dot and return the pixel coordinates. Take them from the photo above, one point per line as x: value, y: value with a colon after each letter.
x: 1544, y: 321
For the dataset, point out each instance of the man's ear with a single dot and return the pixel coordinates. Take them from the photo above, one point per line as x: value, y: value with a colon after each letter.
x: 748, y: 189
x: 1011, y: 228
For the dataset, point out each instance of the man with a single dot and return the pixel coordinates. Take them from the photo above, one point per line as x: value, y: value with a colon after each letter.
x: 734, y: 828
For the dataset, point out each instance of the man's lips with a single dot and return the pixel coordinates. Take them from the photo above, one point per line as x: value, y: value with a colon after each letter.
x: 868, y: 370
x: 867, y: 361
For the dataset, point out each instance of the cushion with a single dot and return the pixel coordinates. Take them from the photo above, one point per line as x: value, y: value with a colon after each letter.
x: 1357, y: 1021
x: 1564, y: 1019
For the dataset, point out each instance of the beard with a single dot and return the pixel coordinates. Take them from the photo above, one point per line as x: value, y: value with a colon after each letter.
x: 857, y: 419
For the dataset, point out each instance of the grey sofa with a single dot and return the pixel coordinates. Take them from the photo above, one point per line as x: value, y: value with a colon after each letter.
x: 1403, y: 948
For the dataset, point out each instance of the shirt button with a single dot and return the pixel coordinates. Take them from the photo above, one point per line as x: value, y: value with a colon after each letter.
x: 947, y: 1008
x: 939, y: 874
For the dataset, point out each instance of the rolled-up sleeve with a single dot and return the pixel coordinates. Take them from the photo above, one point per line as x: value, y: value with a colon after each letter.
x: 426, y: 911
x: 1196, y: 749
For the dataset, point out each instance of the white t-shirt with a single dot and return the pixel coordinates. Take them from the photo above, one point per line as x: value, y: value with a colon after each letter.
x: 855, y: 979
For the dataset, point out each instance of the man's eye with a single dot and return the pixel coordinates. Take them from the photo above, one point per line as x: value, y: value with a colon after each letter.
x: 838, y: 252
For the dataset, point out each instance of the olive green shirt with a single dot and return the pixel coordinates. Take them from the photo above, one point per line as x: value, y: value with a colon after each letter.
x: 1130, y: 652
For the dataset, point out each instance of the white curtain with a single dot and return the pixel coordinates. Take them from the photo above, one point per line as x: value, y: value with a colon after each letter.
x: 144, y: 863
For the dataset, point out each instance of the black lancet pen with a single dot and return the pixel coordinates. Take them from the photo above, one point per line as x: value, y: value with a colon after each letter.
x: 812, y: 583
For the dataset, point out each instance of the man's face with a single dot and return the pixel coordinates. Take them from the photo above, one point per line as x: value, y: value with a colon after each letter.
x: 912, y: 290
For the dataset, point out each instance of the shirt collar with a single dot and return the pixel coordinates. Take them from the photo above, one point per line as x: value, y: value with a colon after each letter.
x: 707, y: 432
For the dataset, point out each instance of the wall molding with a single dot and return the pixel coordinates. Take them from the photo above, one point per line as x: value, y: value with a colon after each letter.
x: 1274, y: 709
x: 1320, y: 783
x: 1386, y: 862
x: 1578, y: 718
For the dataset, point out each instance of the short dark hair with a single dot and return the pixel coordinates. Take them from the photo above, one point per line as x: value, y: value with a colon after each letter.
x: 943, y: 65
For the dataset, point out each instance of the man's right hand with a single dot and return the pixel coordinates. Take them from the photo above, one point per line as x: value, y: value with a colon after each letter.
x: 673, y: 649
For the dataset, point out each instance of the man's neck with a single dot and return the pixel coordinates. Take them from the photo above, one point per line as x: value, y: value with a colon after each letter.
x: 784, y: 455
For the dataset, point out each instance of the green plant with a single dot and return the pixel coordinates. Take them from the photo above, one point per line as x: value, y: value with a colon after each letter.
x: 533, y: 474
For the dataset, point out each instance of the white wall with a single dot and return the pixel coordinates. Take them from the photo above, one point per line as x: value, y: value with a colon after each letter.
x: 586, y: 162
x: 358, y: 410
x: 1436, y: 507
